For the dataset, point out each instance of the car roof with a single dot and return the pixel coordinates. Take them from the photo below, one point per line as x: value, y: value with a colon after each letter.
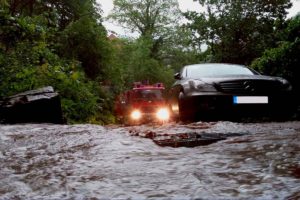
x: 215, y: 64
x: 149, y: 88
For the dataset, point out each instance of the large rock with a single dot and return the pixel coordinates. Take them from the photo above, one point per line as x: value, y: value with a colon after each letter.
x: 41, y: 106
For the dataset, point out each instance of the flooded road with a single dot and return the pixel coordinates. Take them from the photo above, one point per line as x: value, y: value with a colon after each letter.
x: 43, y: 161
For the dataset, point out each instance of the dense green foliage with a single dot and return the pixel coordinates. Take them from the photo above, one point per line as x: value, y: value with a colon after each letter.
x: 39, y: 48
x: 237, y: 31
x: 133, y: 59
x: 283, y: 60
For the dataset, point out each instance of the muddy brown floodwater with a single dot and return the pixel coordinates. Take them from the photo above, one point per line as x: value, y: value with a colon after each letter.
x: 44, y: 161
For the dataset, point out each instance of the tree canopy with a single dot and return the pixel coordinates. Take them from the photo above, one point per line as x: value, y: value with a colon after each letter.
x: 238, y: 31
x: 149, y: 17
x: 154, y: 20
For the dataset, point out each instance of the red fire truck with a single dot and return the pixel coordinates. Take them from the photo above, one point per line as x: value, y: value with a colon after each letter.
x: 143, y: 103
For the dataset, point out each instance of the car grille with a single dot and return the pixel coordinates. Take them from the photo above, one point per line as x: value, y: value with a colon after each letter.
x: 149, y: 109
x: 249, y: 87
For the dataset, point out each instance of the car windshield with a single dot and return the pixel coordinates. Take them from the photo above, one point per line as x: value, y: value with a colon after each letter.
x: 148, y: 94
x: 214, y: 70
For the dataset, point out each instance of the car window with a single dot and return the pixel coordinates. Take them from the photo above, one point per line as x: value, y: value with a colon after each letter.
x: 211, y: 70
x: 183, y: 73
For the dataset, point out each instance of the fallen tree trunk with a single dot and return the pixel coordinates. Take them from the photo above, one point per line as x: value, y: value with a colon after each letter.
x: 42, y: 106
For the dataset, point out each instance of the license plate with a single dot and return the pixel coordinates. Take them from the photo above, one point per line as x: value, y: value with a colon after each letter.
x: 250, y: 100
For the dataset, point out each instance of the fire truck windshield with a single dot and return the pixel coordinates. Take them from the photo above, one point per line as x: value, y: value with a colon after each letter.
x: 148, y: 94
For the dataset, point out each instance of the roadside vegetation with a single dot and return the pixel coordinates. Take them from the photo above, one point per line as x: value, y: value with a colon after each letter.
x: 64, y: 44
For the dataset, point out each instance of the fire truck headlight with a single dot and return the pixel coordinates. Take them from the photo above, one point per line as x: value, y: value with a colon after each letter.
x: 163, y: 114
x: 136, y: 115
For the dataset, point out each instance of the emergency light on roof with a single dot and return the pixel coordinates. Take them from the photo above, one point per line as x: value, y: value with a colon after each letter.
x: 140, y: 85
x: 159, y: 85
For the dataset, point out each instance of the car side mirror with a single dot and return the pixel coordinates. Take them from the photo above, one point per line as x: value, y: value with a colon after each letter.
x: 177, y: 76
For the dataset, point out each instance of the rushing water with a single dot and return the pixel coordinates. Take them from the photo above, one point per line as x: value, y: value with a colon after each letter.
x: 43, y: 161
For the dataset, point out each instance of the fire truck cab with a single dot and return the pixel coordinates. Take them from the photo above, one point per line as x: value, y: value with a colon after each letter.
x: 143, y: 103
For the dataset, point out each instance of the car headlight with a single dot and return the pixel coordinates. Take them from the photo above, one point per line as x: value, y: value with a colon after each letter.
x: 136, y: 115
x: 285, y: 84
x: 201, y: 86
x: 163, y: 114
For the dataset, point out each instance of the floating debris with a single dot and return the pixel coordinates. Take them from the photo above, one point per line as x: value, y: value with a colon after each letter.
x: 186, y: 135
x: 186, y: 140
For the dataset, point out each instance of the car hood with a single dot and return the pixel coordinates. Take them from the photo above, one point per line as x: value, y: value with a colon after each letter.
x: 212, y: 80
